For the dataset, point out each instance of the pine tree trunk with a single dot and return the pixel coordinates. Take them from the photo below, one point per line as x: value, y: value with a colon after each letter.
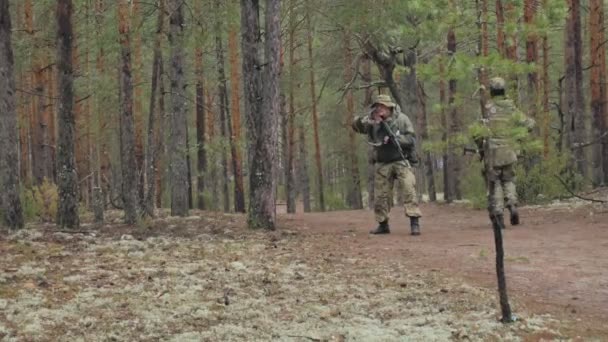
x: 424, y: 136
x: 138, y: 115
x: 575, y: 113
x: 262, y: 107
x: 530, y: 8
x: 290, y: 186
x: 9, y: 169
x: 448, y: 189
x: 151, y: 147
x: 598, y: 92
x: 200, y: 119
x: 235, y: 141
x: 303, y: 176
x: 354, y: 199
x: 161, y: 151
x: 455, y: 127
x: 545, y: 123
x: 500, y: 27
x: 67, y: 211
x: 315, y: 120
x: 212, y: 157
x: 178, y: 140
x: 127, y: 150
x: 224, y: 109
x: 189, y: 165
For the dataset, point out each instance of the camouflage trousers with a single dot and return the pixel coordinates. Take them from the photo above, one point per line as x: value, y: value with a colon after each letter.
x: 501, y: 188
x: 383, y: 183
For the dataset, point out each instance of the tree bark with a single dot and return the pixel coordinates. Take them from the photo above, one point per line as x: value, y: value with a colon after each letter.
x: 178, y: 140
x: 574, y: 87
x: 127, y: 150
x: 290, y: 186
x: 67, y: 212
x: 262, y: 108
x: 235, y: 141
x: 448, y: 193
x: 138, y: 115
x: 151, y: 147
x: 224, y: 109
x: 598, y: 91
x: 200, y: 118
x: 9, y: 169
x: 315, y: 119
x: 303, y: 177
x: 530, y: 8
x: 500, y: 28
x: 545, y: 124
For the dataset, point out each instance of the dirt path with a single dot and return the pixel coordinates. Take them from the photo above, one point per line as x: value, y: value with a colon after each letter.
x: 556, y: 260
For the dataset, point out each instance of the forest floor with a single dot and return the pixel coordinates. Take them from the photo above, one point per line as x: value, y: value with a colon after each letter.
x: 319, y: 277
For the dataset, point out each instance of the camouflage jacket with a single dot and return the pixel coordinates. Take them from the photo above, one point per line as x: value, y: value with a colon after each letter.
x: 399, y: 124
x: 505, y: 127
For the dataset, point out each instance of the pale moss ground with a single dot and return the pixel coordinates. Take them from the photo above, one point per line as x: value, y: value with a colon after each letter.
x: 226, y: 284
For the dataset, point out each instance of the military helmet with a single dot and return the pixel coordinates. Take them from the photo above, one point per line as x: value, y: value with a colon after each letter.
x: 384, y: 100
x: 497, y: 83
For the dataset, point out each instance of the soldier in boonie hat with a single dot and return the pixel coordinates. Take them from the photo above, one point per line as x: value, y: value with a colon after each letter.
x: 384, y: 100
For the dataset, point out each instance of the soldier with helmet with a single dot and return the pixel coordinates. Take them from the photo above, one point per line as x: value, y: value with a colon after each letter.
x: 384, y: 121
x: 499, y: 142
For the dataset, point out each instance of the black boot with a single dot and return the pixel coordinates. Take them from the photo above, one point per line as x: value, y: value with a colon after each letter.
x: 514, y: 215
x: 415, y: 225
x: 381, y: 229
x: 498, y: 221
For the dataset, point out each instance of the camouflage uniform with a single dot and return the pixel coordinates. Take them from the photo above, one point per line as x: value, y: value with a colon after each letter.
x: 502, y: 117
x: 389, y: 164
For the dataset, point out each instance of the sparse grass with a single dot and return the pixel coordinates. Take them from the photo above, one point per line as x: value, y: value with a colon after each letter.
x: 205, y: 280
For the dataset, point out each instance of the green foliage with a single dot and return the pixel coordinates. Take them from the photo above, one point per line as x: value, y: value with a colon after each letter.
x: 474, y: 186
x: 40, y: 202
x: 334, y: 201
x: 539, y: 185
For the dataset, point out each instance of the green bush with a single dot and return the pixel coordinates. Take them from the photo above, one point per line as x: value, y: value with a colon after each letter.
x: 474, y: 186
x: 334, y: 201
x: 539, y: 184
x: 40, y: 202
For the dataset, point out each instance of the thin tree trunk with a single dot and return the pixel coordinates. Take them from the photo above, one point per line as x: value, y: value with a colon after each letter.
x: 303, y: 177
x: 546, y: 90
x: 212, y: 162
x: 151, y: 147
x: 448, y: 194
x: 424, y: 136
x: 200, y: 118
x: 67, y: 212
x: 138, y: 115
x: 235, y: 145
x: 455, y: 126
x: 574, y: 86
x: 224, y: 110
x: 161, y: 151
x: 177, y: 143
x: 500, y: 27
x: 189, y: 165
x: 354, y: 199
x: 290, y: 186
x: 315, y: 119
x: 530, y: 8
x: 128, y: 157
x: 9, y: 169
x: 598, y: 91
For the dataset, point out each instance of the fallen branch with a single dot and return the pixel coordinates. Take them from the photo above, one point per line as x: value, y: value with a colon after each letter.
x: 578, y: 196
x: 306, y: 337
